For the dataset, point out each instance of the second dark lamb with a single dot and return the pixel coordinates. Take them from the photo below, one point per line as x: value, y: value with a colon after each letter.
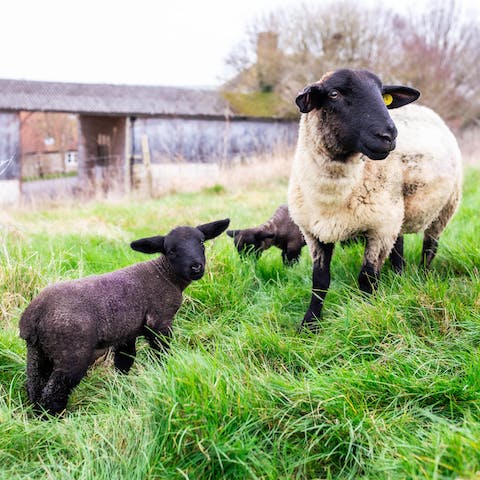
x: 279, y: 231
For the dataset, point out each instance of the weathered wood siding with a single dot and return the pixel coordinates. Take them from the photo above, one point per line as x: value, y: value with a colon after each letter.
x: 9, y: 146
x: 205, y: 141
x: 9, y: 158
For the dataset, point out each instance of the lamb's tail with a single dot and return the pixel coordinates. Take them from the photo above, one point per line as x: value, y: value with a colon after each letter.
x: 29, y: 323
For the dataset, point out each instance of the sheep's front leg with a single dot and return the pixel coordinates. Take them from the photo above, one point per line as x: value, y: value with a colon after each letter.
x: 397, y: 259
x: 322, y: 256
x: 376, y: 250
x: 125, y: 356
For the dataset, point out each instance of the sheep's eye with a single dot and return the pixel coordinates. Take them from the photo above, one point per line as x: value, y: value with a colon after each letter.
x: 333, y: 94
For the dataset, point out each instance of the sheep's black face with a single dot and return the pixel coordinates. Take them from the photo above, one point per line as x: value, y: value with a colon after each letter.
x: 351, y: 108
x: 251, y: 241
x: 183, y: 247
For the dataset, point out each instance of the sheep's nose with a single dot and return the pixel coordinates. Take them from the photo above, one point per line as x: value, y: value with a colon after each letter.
x: 196, y: 267
x: 385, y: 136
x: 388, y: 134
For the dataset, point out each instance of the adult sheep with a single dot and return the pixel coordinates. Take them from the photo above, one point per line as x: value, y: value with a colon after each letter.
x: 342, y: 184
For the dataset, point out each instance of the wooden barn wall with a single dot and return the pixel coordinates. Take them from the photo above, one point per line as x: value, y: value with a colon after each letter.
x: 9, y: 146
x: 205, y: 141
x: 101, y: 153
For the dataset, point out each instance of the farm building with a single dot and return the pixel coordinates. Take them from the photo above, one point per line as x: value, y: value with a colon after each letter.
x: 49, y: 144
x: 122, y: 129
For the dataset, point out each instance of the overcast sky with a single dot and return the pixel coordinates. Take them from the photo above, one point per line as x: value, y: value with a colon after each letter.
x: 161, y: 42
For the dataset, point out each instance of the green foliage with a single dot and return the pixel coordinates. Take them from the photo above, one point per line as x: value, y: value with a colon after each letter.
x: 258, y: 104
x: 216, y: 189
x: 389, y: 387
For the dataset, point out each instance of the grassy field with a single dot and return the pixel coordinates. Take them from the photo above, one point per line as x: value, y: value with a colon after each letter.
x: 388, y: 389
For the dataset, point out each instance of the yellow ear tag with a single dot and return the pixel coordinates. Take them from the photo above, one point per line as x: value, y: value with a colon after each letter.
x: 388, y: 99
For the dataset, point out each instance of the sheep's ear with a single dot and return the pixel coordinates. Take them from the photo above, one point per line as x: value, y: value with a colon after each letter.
x: 396, y: 96
x: 311, y: 97
x: 213, y: 229
x: 149, y: 245
x: 264, y: 235
x: 233, y: 233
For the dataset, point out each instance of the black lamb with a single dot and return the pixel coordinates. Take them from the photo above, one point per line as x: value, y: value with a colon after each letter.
x: 279, y: 231
x: 70, y: 324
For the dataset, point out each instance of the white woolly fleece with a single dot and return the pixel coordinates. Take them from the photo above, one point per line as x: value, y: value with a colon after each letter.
x: 417, y: 187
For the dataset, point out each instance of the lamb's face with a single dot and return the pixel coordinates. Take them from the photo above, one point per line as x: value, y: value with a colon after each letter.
x: 185, y: 251
x: 250, y: 241
x: 349, y: 111
x: 183, y: 247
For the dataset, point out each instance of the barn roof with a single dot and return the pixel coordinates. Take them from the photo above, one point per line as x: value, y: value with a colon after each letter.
x: 103, y: 99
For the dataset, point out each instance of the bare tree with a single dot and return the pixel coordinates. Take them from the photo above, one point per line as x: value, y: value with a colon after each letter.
x: 437, y: 51
x: 441, y: 57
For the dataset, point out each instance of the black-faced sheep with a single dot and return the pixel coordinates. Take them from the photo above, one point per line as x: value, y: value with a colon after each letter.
x: 338, y: 189
x: 70, y: 324
x: 278, y: 231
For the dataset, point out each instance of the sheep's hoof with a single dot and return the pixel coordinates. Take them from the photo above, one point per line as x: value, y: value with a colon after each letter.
x: 367, y: 285
x: 311, y: 325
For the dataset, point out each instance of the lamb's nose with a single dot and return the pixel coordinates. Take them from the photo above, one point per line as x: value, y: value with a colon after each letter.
x: 196, y: 267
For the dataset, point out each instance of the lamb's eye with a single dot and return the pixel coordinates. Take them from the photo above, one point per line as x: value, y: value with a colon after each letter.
x: 333, y: 94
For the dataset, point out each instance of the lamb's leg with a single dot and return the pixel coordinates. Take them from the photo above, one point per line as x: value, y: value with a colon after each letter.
x: 57, y: 390
x: 158, y: 340
x: 291, y: 255
x: 125, y: 356
x: 39, y: 369
x: 397, y: 259
x: 321, y: 255
x: 376, y: 250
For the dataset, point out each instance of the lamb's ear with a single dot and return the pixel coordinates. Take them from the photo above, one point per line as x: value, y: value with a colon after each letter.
x: 263, y: 235
x: 149, y: 245
x: 311, y: 97
x: 233, y: 233
x: 396, y: 96
x: 213, y: 229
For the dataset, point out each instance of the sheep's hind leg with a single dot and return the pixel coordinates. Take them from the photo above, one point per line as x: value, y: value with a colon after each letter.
x: 322, y: 255
x: 59, y: 386
x: 39, y: 369
x: 429, y: 250
x: 125, y: 356
x: 432, y: 233
x: 396, y: 257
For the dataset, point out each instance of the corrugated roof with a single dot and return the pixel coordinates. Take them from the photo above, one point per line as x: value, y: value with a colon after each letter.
x: 103, y: 99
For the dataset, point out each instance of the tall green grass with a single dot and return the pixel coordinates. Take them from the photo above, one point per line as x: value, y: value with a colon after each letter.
x: 389, y: 388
